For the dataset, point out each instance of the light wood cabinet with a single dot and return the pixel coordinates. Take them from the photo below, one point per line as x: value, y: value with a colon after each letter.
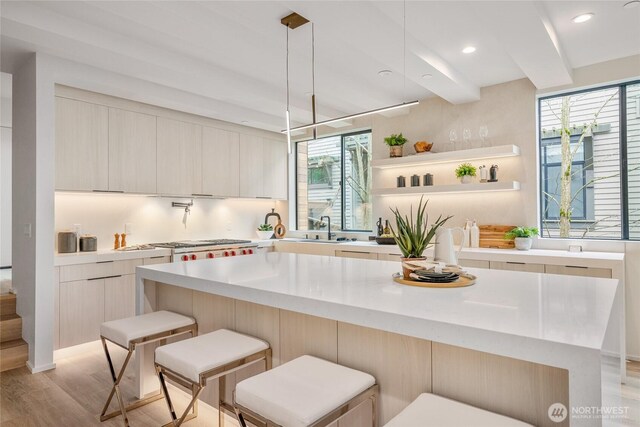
x: 251, y: 166
x: 517, y: 266
x: 357, y: 254
x: 179, y: 165
x: 81, y: 146
x: 220, y: 162
x: 132, y: 152
x: 573, y: 270
x: 119, y: 297
x: 157, y: 260
x: 81, y: 311
x: 473, y: 263
x: 389, y: 257
x: 70, y: 273
x: 275, y: 169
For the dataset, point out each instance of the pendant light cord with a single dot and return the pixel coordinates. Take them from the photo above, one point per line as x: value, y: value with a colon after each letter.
x: 313, y: 60
x: 404, y: 50
x: 287, y: 74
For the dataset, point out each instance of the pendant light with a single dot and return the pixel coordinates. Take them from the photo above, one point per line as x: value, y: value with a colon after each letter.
x: 294, y: 21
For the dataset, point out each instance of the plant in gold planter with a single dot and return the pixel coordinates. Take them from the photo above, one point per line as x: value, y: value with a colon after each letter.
x: 414, y: 237
x: 395, y: 143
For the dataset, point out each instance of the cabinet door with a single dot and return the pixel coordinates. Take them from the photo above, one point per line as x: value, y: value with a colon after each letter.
x: 132, y: 152
x: 275, y: 169
x: 573, y: 270
x: 389, y: 257
x: 251, y: 166
x: 81, y: 311
x: 220, y: 162
x: 356, y: 254
x: 82, y: 145
x: 157, y: 260
x: 517, y: 266
x: 473, y: 263
x: 119, y: 297
x: 179, y: 157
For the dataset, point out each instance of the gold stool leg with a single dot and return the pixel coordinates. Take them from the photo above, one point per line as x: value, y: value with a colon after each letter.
x: 221, y: 402
x: 116, y: 386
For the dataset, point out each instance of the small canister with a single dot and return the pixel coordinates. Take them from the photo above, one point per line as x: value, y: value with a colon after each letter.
x: 401, y: 181
x: 67, y: 242
x: 415, y: 180
x: 88, y: 243
x: 427, y: 179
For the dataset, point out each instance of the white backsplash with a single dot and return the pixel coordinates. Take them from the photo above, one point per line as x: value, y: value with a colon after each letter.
x: 154, y: 220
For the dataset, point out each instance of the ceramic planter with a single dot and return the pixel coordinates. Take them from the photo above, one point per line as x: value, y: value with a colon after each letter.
x: 406, y: 271
x: 523, y: 243
x: 264, y: 235
x: 466, y: 179
x: 395, y: 151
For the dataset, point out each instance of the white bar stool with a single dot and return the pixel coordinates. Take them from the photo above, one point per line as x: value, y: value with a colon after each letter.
x: 304, y: 392
x: 192, y: 362
x: 134, y: 331
x: 430, y: 410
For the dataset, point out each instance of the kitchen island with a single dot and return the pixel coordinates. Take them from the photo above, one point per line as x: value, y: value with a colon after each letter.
x: 513, y: 343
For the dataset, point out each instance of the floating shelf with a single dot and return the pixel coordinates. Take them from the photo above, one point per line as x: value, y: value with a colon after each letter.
x: 447, y: 157
x: 449, y: 189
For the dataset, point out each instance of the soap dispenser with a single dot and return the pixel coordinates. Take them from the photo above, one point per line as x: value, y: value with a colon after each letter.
x: 474, y: 233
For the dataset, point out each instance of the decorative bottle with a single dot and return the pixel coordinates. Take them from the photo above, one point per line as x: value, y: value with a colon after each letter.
x: 474, y: 232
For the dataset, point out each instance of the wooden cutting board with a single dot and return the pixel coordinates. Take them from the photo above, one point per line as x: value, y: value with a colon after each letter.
x: 492, y: 236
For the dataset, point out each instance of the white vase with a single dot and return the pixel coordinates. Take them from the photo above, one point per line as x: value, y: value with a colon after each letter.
x: 523, y: 243
x: 466, y: 179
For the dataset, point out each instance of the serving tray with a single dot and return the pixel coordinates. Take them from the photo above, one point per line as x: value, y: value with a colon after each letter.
x: 463, y: 281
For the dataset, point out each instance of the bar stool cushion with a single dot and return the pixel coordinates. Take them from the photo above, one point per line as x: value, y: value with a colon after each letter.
x: 123, y: 331
x: 432, y: 410
x: 302, y: 391
x: 193, y: 356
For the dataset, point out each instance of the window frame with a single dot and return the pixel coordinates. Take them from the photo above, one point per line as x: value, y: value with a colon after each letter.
x: 342, y: 178
x: 624, y: 175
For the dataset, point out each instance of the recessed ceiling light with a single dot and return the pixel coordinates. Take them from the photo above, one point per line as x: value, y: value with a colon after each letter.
x: 582, y: 18
x: 469, y: 49
x: 427, y: 76
x: 384, y: 73
x: 632, y: 4
x: 244, y: 122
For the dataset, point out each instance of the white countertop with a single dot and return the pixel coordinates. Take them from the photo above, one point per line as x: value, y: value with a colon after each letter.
x: 593, y: 259
x: 566, y: 310
x: 107, y: 255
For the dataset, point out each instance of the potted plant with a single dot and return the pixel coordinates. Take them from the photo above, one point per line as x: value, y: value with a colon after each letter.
x: 395, y: 143
x: 413, y: 237
x: 265, y: 231
x: 466, y: 172
x: 523, y: 237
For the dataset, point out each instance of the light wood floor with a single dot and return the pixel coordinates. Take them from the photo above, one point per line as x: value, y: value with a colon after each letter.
x: 73, y: 394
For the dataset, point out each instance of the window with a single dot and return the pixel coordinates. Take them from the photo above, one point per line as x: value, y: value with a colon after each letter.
x: 590, y: 163
x: 334, y: 179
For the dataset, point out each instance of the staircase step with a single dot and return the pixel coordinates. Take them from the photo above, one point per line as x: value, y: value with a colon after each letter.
x: 7, y: 304
x: 13, y: 354
x: 10, y: 327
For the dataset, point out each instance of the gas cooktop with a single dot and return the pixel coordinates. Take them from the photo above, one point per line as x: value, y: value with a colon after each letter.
x: 197, y: 243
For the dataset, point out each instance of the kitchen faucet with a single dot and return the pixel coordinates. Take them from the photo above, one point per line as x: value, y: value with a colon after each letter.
x: 329, y: 233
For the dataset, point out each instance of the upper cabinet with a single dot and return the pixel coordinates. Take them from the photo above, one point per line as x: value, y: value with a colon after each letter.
x: 275, y: 169
x: 82, y: 146
x: 107, y: 148
x: 220, y: 162
x: 132, y: 152
x: 263, y: 168
x: 179, y: 147
x: 251, y: 166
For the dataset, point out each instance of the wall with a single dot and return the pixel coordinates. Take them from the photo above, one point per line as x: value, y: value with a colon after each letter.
x: 5, y: 170
x: 154, y: 220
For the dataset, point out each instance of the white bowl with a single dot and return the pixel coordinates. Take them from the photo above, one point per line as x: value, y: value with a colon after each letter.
x: 264, y: 235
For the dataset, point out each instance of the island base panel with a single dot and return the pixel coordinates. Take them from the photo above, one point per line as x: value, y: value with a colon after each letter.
x: 403, y: 366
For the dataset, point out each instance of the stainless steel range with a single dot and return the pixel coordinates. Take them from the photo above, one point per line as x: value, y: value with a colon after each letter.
x: 191, y: 250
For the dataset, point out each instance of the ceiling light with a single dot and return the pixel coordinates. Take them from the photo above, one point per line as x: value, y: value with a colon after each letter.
x: 384, y: 73
x: 632, y: 4
x: 244, y: 122
x: 582, y: 18
x: 469, y: 49
x: 427, y: 76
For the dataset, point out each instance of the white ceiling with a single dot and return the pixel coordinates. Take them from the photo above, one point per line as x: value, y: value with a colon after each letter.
x: 231, y: 54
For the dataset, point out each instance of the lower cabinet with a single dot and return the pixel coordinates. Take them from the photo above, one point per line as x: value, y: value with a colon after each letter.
x: 81, y: 311
x: 356, y: 254
x: 516, y: 266
x: 574, y: 270
x: 119, y: 297
x: 474, y: 263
